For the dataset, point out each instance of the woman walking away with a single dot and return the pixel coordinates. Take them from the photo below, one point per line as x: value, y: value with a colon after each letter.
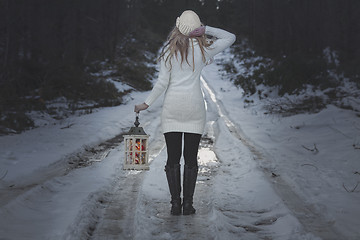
x: 185, y: 54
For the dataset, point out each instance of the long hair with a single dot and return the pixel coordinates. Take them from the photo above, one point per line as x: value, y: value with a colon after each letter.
x: 179, y: 43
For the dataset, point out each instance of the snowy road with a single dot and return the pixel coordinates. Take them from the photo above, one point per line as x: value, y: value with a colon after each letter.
x: 234, y: 198
x: 86, y: 194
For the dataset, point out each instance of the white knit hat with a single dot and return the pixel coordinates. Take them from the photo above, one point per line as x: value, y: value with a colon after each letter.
x: 187, y: 22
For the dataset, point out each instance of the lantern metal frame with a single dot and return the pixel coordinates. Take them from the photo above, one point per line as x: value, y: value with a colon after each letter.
x: 136, y: 148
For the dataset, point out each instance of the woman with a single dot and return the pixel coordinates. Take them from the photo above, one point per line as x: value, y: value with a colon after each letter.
x: 184, y: 56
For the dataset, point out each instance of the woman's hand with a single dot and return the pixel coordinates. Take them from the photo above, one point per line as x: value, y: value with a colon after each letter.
x: 140, y: 107
x: 197, y: 32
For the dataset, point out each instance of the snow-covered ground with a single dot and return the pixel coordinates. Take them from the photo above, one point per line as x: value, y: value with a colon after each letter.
x: 261, y: 176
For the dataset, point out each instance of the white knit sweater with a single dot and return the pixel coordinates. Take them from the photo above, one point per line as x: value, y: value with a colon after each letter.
x: 184, y: 107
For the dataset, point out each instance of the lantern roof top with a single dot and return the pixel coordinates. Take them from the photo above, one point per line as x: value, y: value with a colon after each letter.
x: 136, y: 131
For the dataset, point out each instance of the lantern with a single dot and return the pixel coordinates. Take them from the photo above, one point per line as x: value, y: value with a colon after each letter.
x: 136, y: 148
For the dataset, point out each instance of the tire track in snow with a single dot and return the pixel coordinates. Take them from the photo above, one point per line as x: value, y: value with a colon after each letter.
x: 311, y: 220
x: 117, y: 220
x: 83, y: 158
x: 54, y: 181
x: 228, y: 217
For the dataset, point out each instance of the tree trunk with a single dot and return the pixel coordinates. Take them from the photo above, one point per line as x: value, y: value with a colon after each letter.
x: 7, y: 34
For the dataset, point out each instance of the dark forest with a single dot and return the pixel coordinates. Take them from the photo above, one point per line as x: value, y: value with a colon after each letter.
x: 52, y: 48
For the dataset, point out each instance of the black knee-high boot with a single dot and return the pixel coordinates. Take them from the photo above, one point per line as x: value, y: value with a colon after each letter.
x: 173, y: 178
x: 190, y: 175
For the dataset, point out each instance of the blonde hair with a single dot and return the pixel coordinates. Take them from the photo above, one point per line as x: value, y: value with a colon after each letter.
x: 179, y: 43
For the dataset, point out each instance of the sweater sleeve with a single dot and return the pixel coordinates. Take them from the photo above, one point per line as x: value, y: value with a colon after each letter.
x: 161, y: 84
x: 224, y: 40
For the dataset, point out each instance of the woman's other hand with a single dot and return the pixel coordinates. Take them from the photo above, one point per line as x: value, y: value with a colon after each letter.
x: 197, y: 32
x: 140, y: 107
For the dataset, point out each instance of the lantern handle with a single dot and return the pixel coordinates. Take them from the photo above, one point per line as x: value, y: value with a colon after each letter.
x: 137, y: 123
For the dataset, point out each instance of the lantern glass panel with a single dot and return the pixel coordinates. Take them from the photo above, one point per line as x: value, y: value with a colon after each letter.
x: 136, y: 154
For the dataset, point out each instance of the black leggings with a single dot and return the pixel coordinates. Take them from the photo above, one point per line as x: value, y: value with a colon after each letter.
x: 174, y: 146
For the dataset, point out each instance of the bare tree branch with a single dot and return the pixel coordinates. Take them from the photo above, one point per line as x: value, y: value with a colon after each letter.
x: 308, y: 164
x: 68, y: 126
x: 337, y: 130
x: 314, y: 150
x: 352, y: 190
x: 274, y: 175
x: 2, y: 177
